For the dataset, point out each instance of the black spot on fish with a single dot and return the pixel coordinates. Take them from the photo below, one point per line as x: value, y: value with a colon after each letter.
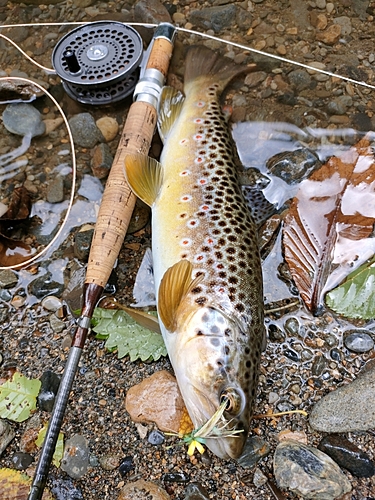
x: 201, y: 301
x: 215, y: 342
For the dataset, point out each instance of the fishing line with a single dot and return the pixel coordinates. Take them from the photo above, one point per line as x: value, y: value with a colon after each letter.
x: 197, y: 33
x: 74, y: 171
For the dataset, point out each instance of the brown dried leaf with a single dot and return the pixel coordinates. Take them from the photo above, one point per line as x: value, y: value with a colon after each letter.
x: 19, y: 205
x: 16, y: 486
x: 326, y: 232
x: 13, y: 252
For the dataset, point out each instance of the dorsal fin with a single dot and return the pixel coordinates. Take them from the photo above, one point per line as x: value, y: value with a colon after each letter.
x: 174, y: 286
x: 144, y: 176
x: 171, y: 102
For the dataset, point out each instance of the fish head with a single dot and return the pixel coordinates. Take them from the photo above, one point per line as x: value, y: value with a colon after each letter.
x: 211, y: 363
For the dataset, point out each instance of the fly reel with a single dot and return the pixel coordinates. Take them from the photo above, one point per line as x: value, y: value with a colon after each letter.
x: 98, y: 62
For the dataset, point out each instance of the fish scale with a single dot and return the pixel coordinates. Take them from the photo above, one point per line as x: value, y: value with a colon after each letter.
x: 205, y: 250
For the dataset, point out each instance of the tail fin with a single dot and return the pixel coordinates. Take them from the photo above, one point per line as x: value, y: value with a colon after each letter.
x: 204, y: 62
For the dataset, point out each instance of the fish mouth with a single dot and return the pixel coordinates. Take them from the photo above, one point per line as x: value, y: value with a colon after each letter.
x: 201, y: 408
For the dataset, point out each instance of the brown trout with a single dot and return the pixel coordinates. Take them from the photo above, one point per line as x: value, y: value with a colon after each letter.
x: 207, y: 267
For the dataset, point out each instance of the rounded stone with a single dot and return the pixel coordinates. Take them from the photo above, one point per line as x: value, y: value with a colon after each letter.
x: 23, y: 119
x: 108, y: 126
x: 85, y: 131
x: 359, y: 342
x: 141, y: 489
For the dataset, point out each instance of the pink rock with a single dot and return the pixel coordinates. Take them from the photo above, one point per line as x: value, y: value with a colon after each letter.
x: 156, y: 399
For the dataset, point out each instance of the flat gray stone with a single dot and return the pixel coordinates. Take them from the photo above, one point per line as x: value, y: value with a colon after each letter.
x: 23, y: 119
x: 347, y: 409
x: 308, y: 472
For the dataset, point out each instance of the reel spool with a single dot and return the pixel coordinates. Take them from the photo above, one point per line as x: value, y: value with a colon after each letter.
x: 98, y: 62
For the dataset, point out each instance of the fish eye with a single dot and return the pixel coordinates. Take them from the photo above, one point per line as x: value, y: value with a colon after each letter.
x: 234, y: 399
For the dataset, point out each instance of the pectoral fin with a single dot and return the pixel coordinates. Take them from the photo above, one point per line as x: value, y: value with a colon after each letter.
x: 171, y: 101
x: 144, y: 176
x: 174, y: 286
x: 144, y: 319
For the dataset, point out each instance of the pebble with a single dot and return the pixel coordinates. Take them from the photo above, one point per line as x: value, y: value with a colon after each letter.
x: 294, y: 166
x: 259, y: 479
x: 55, y: 190
x: 56, y: 324
x: 359, y: 342
x: 255, y: 449
x: 63, y: 488
x: 109, y: 462
x: 300, y: 79
x: 216, y: 18
x: 331, y: 35
x: 76, y: 456
x: 347, y: 455
x: 156, y: 399
x: 82, y: 242
x: 141, y: 489
x: 50, y: 385
x: 102, y: 160
x: 319, y: 364
x: 349, y: 408
x: 156, y: 438
x: 151, y: 11
x: 308, y: 472
x: 176, y: 477
x: 84, y: 130
x: 45, y: 285
x: 140, y: 217
x: 6, y: 435
x: 23, y: 119
x: 195, y: 491
x: 51, y: 303
x: 8, y: 278
x: 339, y: 105
x: 108, y: 126
x: 345, y: 23
x: 52, y: 124
x: 126, y: 465
x: 255, y: 78
x: 21, y: 461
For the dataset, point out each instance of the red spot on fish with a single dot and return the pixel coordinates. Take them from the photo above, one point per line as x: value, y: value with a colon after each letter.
x: 185, y: 242
x: 220, y: 266
x: 199, y: 159
x: 200, y: 257
x: 221, y: 290
x: 210, y: 241
x: 205, y: 207
x: 198, y: 137
x: 202, y: 181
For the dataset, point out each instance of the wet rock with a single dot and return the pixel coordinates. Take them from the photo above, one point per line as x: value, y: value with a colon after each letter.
x: 102, y: 161
x: 50, y: 385
x: 139, y: 490
x: 82, y: 242
x: 126, y: 465
x: 108, y: 126
x: 45, y: 285
x: 151, y: 11
x: 76, y: 457
x: 55, y: 190
x: 64, y: 489
x: 294, y: 166
x: 176, y: 477
x: 358, y: 341
x: 255, y: 449
x: 331, y: 35
x: 56, y: 324
x: 23, y: 119
x: 347, y: 455
x: 216, y: 18
x: 292, y: 326
x: 8, y: 279
x: 339, y: 105
x: 84, y: 130
x: 348, y: 408
x: 300, y: 79
x: 259, y: 479
x: 51, y: 303
x: 21, y: 461
x: 30, y: 435
x: 156, y: 438
x: 157, y: 399
x: 254, y: 79
x: 195, y: 491
x: 109, y: 462
x: 308, y: 472
x: 319, y: 364
x: 6, y: 435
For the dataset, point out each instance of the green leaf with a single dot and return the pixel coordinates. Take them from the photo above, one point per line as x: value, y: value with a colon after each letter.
x: 18, y: 397
x: 59, y: 449
x: 355, y: 298
x: 127, y: 336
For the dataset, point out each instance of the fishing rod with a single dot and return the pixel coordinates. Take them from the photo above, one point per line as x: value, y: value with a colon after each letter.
x: 118, y: 201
